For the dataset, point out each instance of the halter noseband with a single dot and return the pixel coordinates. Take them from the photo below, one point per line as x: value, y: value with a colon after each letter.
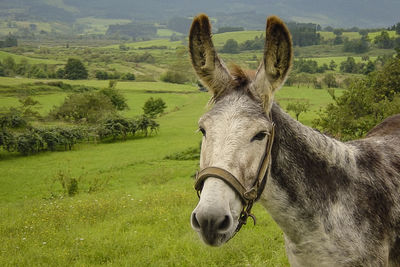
x: 248, y: 196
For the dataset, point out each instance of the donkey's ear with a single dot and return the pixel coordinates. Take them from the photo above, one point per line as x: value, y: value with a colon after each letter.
x: 208, y: 66
x: 276, y: 63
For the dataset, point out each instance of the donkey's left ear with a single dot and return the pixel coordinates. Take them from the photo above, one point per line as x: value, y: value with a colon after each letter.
x: 277, y: 61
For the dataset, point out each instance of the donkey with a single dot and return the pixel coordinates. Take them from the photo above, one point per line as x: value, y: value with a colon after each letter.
x: 338, y: 204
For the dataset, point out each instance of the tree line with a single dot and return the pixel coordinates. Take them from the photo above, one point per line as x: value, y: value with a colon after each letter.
x: 90, y: 116
x: 365, y: 103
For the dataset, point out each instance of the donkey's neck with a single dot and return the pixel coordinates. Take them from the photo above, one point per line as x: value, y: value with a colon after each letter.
x: 308, y: 172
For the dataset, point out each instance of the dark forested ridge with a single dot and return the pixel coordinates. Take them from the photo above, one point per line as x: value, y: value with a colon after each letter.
x: 343, y: 13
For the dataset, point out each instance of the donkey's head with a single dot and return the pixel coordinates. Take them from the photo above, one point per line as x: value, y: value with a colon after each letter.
x: 237, y: 129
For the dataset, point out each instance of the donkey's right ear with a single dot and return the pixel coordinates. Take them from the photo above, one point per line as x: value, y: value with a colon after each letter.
x: 209, y: 67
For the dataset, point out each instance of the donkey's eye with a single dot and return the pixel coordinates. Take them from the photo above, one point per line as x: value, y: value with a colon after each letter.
x: 260, y: 136
x: 202, y: 131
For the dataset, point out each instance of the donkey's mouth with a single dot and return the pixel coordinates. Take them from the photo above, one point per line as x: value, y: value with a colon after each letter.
x: 214, y: 240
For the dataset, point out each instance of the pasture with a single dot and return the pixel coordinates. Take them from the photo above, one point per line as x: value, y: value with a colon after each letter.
x: 137, y: 212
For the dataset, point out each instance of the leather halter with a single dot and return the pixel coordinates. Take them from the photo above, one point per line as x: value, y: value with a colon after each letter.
x: 248, y: 196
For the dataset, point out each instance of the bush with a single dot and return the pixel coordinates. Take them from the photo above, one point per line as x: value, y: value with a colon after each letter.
x: 29, y: 143
x: 309, y: 66
x: 153, y: 107
x: 116, y: 98
x: 356, y: 46
x: 298, y: 107
x: 89, y: 106
x: 128, y: 76
x: 231, y: 46
x: 7, y: 140
x: 192, y: 153
x: 330, y: 80
x: 174, y: 77
x: 366, y: 103
x: 117, y: 127
x: 144, y: 124
x: 75, y: 70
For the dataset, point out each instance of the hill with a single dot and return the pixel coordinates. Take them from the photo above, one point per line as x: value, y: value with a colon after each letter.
x: 250, y: 14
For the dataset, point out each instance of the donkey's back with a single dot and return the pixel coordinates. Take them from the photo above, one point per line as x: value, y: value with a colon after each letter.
x: 378, y: 189
x: 390, y: 126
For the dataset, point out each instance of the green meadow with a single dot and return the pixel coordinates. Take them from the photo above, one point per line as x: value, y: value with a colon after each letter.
x: 30, y: 60
x: 133, y: 205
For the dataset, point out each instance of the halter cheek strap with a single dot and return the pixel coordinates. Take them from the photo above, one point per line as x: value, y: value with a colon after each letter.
x: 248, y: 196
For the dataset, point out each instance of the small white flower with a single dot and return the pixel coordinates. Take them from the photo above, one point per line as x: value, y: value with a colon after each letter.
x: 24, y: 238
x: 44, y: 243
x: 81, y: 239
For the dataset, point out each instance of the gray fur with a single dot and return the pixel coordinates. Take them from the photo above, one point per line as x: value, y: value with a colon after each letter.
x: 338, y: 204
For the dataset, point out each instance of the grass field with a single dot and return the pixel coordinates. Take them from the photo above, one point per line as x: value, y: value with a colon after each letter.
x: 354, y: 35
x: 30, y: 60
x: 141, y: 215
x: 146, y: 44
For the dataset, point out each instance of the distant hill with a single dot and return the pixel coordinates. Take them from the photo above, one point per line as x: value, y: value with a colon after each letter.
x: 247, y: 13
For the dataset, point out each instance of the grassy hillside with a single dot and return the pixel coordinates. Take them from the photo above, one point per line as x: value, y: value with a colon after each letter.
x: 31, y: 60
x: 139, y: 212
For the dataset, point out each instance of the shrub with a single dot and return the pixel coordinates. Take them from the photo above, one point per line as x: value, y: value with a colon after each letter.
x: 144, y: 124
x: 330, y: 80
x: 89, y: 106
x: 192, y: 153
x: 116, y: 127
x: 7, y: 140
x: 153, y: 107
x: 116, y: 98
x: 68, y: 183
x: 75, y: 70
x: 364, y: 104
x: 357, y: 46
x: 298, y: 107
x: 29, y: 143
x: 174, y: 77
x: 231, y: 46
x: 128, y: 76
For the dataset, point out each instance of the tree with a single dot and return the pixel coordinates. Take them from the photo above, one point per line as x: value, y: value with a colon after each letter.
x: 75, y: 70
x: 304, y: 34
x: 9, y: 66
x: 364, y: 104
x: 384, y: 41
x: 330, y: 80
x: 332, y: 65
x: 153, y: 107
x: 10, y: 41
x: 357, y: 46
x: 89, y: 106
x: 349, y: 66
x: 298, y: 107
x: 231, y: 46
x: 117, y: 99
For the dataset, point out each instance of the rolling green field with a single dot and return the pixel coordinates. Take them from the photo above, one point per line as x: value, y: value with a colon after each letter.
x: 139, y: 213
x: 30, y: 60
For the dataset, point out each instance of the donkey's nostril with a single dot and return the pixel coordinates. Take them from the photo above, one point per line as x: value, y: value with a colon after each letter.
x: 195, y: 222
x: 225, y: 224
